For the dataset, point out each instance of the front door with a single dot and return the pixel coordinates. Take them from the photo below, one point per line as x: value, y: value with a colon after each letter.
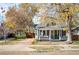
x: 55, y: 34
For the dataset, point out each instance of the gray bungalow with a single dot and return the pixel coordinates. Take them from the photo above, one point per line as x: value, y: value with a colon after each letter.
x: 56, y: 32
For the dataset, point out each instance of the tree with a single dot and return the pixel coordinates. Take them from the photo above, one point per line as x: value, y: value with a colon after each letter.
x: 66, y: 13
x: 47, y: 14
x: 63, y: 14
x: 15, y: 18
x: 10, y: 24
x: 30, y: 9
x: 22, y: 17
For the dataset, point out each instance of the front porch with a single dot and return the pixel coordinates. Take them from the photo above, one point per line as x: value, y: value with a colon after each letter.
x: 51, y: 35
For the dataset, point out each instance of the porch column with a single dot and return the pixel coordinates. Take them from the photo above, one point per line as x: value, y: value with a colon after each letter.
x: 60, y: 32
x: 54, y: 34
x: 46, y: 32
x: 42, y: 32
x: 36, y: 34
x: 49, y: 34
x: 39, y: 34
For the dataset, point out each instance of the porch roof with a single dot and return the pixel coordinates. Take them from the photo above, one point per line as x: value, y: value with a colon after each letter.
x: 51, y: 28
x: 55, y: 27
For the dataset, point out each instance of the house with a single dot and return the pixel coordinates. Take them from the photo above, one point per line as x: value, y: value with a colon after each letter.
x: 75, y: 32
x: 46, y: 32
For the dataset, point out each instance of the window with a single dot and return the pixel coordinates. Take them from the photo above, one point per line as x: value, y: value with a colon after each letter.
x: 52, y: 23
x: 56, y: 34
x: 47, y: 32
x: 43, y: 33
x: 40, y: 32
x: 36, y: 32
x: 63, y: 33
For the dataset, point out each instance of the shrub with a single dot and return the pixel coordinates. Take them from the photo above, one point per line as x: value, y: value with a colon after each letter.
x: 20, y: 35
x: 30, y: 35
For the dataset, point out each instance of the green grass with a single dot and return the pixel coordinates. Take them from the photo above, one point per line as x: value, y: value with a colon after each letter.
x: 75, y: 47
x: 76, y: 42
x: 45, y: 49
x: 10, y: 41
x: 37, y: 42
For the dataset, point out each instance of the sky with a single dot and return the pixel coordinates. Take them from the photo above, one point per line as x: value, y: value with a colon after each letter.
x: 36, y: 19
x: 5, y: 7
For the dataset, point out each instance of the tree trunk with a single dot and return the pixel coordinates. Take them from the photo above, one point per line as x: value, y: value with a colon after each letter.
x: 4, y: 33
x: 69, y: 34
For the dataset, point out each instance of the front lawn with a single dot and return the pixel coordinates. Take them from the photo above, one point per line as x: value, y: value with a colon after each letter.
x: 45, y: 48
x: 76, y: 42
x: 37, y: 42
x: 10, y: 41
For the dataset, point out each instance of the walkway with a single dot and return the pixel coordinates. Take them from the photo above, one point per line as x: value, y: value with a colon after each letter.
x: 26, y: 41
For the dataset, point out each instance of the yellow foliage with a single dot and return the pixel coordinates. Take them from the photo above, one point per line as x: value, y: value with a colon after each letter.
x: 9, y: 24
x: 72, y: 10
x: 47, y: 20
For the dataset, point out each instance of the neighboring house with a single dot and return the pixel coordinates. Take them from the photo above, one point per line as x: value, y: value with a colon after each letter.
x: 46, y: 32
x: 75, y: 32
